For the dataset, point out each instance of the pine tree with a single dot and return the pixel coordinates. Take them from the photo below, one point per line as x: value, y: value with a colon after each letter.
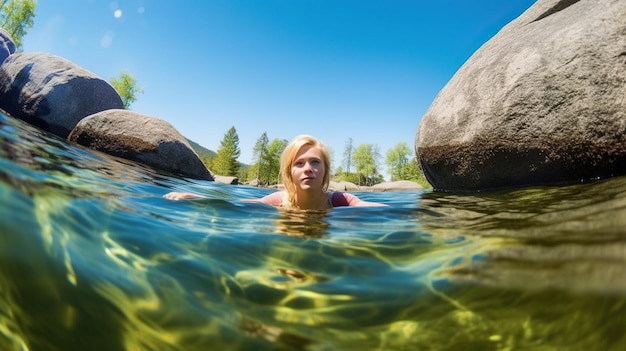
x: 259, y: 153
x: 226, y: 159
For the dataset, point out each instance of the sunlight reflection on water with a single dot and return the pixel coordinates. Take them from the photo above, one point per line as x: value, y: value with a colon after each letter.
x: 92, y: 257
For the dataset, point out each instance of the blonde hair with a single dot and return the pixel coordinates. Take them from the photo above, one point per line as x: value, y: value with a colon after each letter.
x: 287, y: 159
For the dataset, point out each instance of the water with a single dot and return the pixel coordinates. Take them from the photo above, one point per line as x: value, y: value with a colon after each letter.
x: 93, y: 258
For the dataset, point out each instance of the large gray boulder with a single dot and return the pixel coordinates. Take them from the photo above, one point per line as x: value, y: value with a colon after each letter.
x: 7, y: 45
x: 51, y: 92
x: 148, y: 140
x: 542, y: 102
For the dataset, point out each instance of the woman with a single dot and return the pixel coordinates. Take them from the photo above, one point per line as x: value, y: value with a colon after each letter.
x: 305, y: 172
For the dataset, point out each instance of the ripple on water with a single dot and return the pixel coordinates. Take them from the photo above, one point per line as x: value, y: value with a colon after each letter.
x: 92, y: 257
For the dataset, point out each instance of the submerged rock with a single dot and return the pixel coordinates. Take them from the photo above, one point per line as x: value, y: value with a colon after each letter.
x: 540, y: 103
x: 140, y: 138
x: 51, y: 92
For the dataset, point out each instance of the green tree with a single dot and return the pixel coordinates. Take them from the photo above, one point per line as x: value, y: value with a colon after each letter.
x: 16, y: 17
x: 337, y: 174
x: 207, y: 160
x: 416, y: 174
x: 398, y: 161
x: 267, y: 156
x: 274, y: 151
x: 340, y: 175
x: 244, y: 170
x: 126, y: 87
x: 259, y: 152
x: 225, y: 162
x: 365, y: 160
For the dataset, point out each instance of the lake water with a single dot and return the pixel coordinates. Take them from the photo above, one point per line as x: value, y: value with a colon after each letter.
x: 93, y: 258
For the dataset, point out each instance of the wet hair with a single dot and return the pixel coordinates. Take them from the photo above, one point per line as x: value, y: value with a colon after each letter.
x: 287, y: 159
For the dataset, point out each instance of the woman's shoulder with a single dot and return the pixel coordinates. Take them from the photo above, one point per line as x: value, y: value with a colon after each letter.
x: 274, y: 199
x: 339, y: 198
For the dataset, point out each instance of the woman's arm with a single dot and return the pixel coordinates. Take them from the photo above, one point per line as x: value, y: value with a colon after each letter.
x: 273, y: 199
x: 368, y: 204
x: 353, y: 200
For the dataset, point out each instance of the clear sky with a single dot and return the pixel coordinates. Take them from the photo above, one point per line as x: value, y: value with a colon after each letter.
x: 336, y: 69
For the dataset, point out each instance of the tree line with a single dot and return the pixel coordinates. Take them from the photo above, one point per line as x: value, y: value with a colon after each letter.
x: 360, y: 165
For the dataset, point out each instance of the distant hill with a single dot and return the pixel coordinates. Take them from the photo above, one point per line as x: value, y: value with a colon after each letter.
x: 202, y: 151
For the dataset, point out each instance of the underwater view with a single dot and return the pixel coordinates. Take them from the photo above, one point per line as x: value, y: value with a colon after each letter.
x: 92, y: 257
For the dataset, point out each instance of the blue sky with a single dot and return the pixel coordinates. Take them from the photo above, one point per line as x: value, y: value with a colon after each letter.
x: 336, y: 69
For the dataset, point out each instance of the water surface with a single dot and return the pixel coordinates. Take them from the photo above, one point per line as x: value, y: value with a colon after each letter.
x: 93, y: 258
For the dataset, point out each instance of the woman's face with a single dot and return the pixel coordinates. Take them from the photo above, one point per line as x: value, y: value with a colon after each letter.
x: 307, y: 170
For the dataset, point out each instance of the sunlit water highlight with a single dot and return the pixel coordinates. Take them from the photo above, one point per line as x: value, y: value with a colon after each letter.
x: 93, y: 258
